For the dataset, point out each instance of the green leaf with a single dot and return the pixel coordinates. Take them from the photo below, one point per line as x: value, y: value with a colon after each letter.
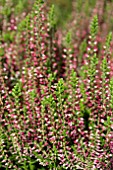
x: 52, y: 19
x: 68, y: 38
x: 94, y: 26
x: 108, y: 40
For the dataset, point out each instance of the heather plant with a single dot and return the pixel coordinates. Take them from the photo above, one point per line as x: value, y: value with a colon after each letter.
x: 56, y: 100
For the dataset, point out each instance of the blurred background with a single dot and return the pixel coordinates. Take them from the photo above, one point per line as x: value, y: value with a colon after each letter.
x: 73, y: 15
x: 63, y: 9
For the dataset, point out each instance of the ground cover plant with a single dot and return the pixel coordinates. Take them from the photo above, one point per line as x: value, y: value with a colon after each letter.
x: 56, y: 88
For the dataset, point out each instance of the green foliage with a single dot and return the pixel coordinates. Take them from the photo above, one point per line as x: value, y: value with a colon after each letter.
x: 44, y: 103
x: 2, y: 2
x: 68, y: 38
x: 32, y: 95
x: 8, y: 36
x: 51, y: 102
x: 22, y: 25
x: 82, y: 50
x: 19, y: 7
x: 104, y: 66
x: 108, y: 122
x: 111, y: 92
x: 83, y: 46
x: 37, y: 5
x: 63, y: 11
x: 85, y: 113
x: 92, y: 69
x: 52, y: 19
x: 60, y: 94
x: 105, y: 71
x: 16, y: 92
x: 6, y: 11
x: 83, y: 91
x: 107, y: 44
x: 1, y: 52
x: 60, y: 89
x: 73, y: 80
x: 79, y: 5
x: 108, y: 40
x: 51, y: 77
x: 94, y: 26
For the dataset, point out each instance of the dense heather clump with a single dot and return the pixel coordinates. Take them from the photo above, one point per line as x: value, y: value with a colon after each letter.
x: 56, y: 91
